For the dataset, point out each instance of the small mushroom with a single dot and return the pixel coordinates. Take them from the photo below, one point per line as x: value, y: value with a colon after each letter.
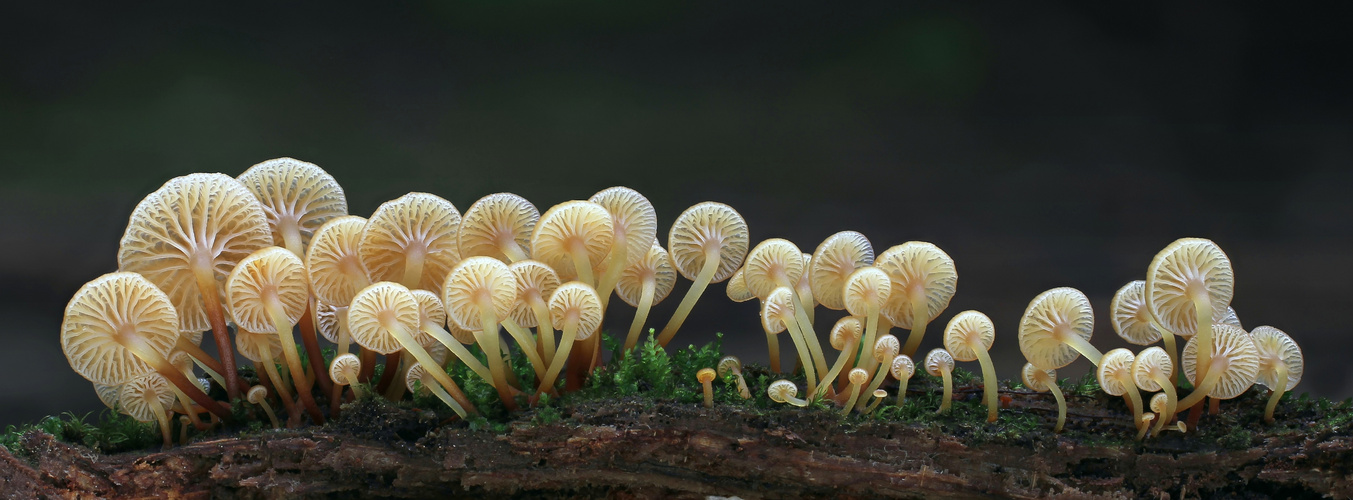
x: 1042, y: 380
x: 1134, y: 323
x: 183, y: 430
x: 923, y: 280
x: 412, y: 240
x: 536, y: 282
x: 576, y: 310
x: 707, y: 243
x: 939, y: 363
x: 1162, y: 406
x: 737, y: 289
x: 573, y: 237
x: 1152, y: 372
x: 343, y: 371
x: 859, y: 377
x: 184, y: 363
x: 635, y: 228
x: 706, y: 377
x: 1116, y: 379
x: 108, y: 394
x: 777, y: 315
x: 879, y: 394
x: 1280, y: 364
x: 259, y: 396
x: 845, y: 337
x: 335, y: 270
x: 1232, y: 369
x: 865, y: 292
x: 1187, y: 284
x: 432, y: 319
x: 499, y: 226
x: 886, y: 348
x: 968, y: 337
x: 902, y: 369
x: 263, y: 349
x: 777, y: 263
x: 731, y: 364
x: 478, y: 292
x: 1056, y: 329
x: 147, y: 398
x: 834, y: 260
x: 644, y: 283
x: 417, y: 375
x: 784, y: 391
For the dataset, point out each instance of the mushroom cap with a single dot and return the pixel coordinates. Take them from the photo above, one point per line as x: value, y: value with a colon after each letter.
x: 145, y: 395
x: 1275, y: 347
x: 902, y: 367
x: 494, y: 221
x: 415, y: 222
x: 574, y: 301
x: 938, y: 359
x: 737, y: 288
x: 1115, y: 372
x: 1151, y: 360
x: 211, y: 217
x: 632, y: 218
x: 569, y: 225
x: 777, y: 310
x: 108, y: 394
x: 1242, y: 361
x: 257, y: 394
x: 326, y: 316
x: 111, y: 305
x: 333, y: 261
x: 772, y: 264
x: 655, y: 263
x: 780, y: 390
x: 344, y: 364
x: 476, y: 283
x: 271, y: 271
x: 384, y: 299
x: 705, y: 375
x: 867, y: 287
x: 1159, y: 402
x: 886, y: 347
x: 858, y: 376
x: 181, y: 360
x: 1129, y: 315
x: 917, y: 267
x: 535, y: 280
x: 1187, y: 264
x: 729, y: 364
x: 708, y: 225
x: 1230, y: 318
x: 1064, y: 310
x: 833, y: 261
x: 417, y: 378
x: 250, y: 344
x: 965, y: 332
x: 430, y: 308
x: 1037, y: 378
x: 848, y: 325
x: 295, y: 192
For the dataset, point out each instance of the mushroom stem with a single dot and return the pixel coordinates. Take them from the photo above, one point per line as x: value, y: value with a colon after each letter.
x: 421, y: 356
x: 641, y: 315
x: 544, y: 329
x: 162, y: 417
x: 615, y: 266
x: 809, y: 335
x: 583, y: 264
x: 1203, y: 303
x: 445, y: 397
x: 512, y: 250
x: 368, y: 358
x: 742, y: 385
x: 989, y: 381
x: 336, y: 392
x: 880, y: 374
x: 1136, y: 409
x: 948, y: 390
x: 773, y: 347
x: 847, y: 355
x: 1160, y: 424
x: 394, y: 384
x: 920, y: 317
x: 203, y: 361
x: 298, y: 373
x: 1061, y: 406
x: 557, y: 363
x: 1082, y: 346
x: 458, y: 350
x: 183, y: 430
x: 144, y: 352
x: 391, y: 364
x: 488, y: 341
x: 211, y: 302
x: 902, y: 391
x: 1171, y: 350
x: 1278, y: 390
x: 804, y: 356
x: 279, y: 385
x: 187, y: 408
x: 871, y: 327
x: 1171, y: 399
x: 291, y: 236
x: 314, y: 357
x: 692, y: 295
x: 527, y: 344
x: 709, y: 392
x: 1205, y: 386
x: 854, y: 397
x: 1144, y: 423
x: 413, y: 268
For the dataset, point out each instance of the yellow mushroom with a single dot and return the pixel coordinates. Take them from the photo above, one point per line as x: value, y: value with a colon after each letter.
x: 923, y: 282
x: 1232, y: 369
x: 1187, y: 284
x: 968, y: 337
x: 573, y: 237
x: 1116, y: 379
x: 635, y: 229
x: 777, y: 263
x: 879, y: 394
x: 499, y: 226
x: 1134, y: 323
x: 1280, y: 364
x: 1056, y: 329
x: 865, y: 292
x: 737, y: 289
x: 1152, y: 372
x: 343, y: 371
x: 834, y: 260
x: 259, y: 395
x: 478, y: 292
x: 298, y: 197
x: 902, y: 369
x: 939, y: 363
x: 707, y: 243
x: 705, y: 376
x: 859, y: 377
x: 432, y: 321
x: 1042, y: 380
x: 147, y: 398
x: 1162, y: 405
x: 784, y: 391
x: 845, y: 337
x: 733, y: 365
x: 885, y: 349
x: 777, y: 315
x: 412, y: 240
x: 576, y: 310
x: 644, y: 283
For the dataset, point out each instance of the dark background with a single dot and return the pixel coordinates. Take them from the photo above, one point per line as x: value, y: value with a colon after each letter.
x: 1039, y: 144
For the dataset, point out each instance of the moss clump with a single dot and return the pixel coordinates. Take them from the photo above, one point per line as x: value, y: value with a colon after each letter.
x: 112, y: 432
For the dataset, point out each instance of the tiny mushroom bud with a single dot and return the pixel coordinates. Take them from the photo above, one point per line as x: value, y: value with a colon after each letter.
x: 784, y: 391
x: 706, y: 377
x: 903, y: 368
x: 183, y: 430
x: 1280, y: 364
x: 939, y: 363
x: 731, y: 364
x: 1042, y: 380
x: 259, y: 396
x: 858, y: 377
x: 879, y: 394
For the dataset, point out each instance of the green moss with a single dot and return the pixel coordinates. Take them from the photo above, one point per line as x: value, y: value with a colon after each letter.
x: 111, y: 433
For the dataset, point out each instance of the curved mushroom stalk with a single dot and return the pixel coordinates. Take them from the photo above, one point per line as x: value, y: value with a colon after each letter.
x: 969, y: 336
x: 784, y: 391
x: 939, y: 363
x: 528, y: 346
x: 707, y: 244
x: 1234, y: 365
x: 148, y: 398
x: 644, y: 283
x: 845, y: 337
x: 1115, y: 376
x: 858, y: 377
x: 777, y: 263
x: 1280, y: 364
x: 902, y: 369
x: 577, y: 309
x: 258, y: 348
x: 419, y: 375
x: 733, y: 365
x: 343, y: 371
x: 1042, y: 380
x: 476, y: 293
x: 259, y: 396
x: 777, y: 315
x: 1056, y: 329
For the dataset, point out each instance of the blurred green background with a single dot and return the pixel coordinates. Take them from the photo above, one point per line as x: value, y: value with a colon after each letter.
x: 1041, y: 145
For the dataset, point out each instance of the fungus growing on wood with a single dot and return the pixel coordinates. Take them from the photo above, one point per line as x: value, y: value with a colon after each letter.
x: 499, y: 226
x: 418, y: 376
x: 1233, y: 368
x: 707, y: 244
x: 1056, y: 329
x: 411, y: 240
x: 858, y: 377
x: 1115, y: 377
x: 1188, y: 284
x: 576, y: 310
x: 343, y: 371
x: 1280, y: 364
x: 644, y: 283
x: 573, y: 237
x: 478, y: 292
x: 184, y: 238
x: 536, y: 282
x: 147, y: 398
x: 777, y: 315
x: 834, y: 260
x: 923, y: 280
x: 1133, y: 321
x: 259, y: 396
x: 845, y: 337
x: 939, y: 363
x: 1042, y: 380
x: 784, y: 391
x: 902, y: 369
x: 864, y: 293
x: 777, y: 263
x: 968, y: 337
x: 733, y: 365
x: 706, y: 377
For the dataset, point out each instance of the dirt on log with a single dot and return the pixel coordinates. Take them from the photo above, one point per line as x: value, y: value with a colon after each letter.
x: 636, y: 448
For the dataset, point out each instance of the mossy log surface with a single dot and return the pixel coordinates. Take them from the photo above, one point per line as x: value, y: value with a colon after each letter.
x: 637, y: 447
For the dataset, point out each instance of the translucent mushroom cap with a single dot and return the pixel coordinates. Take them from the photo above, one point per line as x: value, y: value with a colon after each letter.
x: 833, y: 262
x: 250, y: 345
x: 708, y: 225
x: 777, y: 310
x: 257, y: 394
x: 576, y: 302
x: 632, y: 219
x: 494, y: 223
x: 737, y: 288
x: 1159, y: 402
x: 772, y: 264
x: 845, y: 328
x: 572, y: 226
x: 655, y: 264
x: 414, y: 224
x: 858, y: 376
x: 535, y: 282
x: 938, y: 361
x: 1050, y: 317
x: 1037, y: 378
x: 1275, y: 347
x: 378, y: 307
x: 295, y: 194
x: 902, y: 367
x: 705, y: 375
x: 210, y: 219
x: 145, y: 395
x: 108, y: 394
x: 1129, y: 315
x: 1188, y: 265
x: 266, y: 274
x: 886, y: 347
x: 1230, y: 318
x: 110, y: 307
x: 729, y: 364
x: 966, y: 332
x: 418, y: 378
x: 343, y: 370
x: 333, y: 260
x: 1115, y: 372
x: 919, y: 271
x: 478, y: 285
x: 326, y: 320
x: 866, y: 288
x: 1150, y: 362
x: 1241, y: 361
x: 780, y: 390
x: 430, y: 308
